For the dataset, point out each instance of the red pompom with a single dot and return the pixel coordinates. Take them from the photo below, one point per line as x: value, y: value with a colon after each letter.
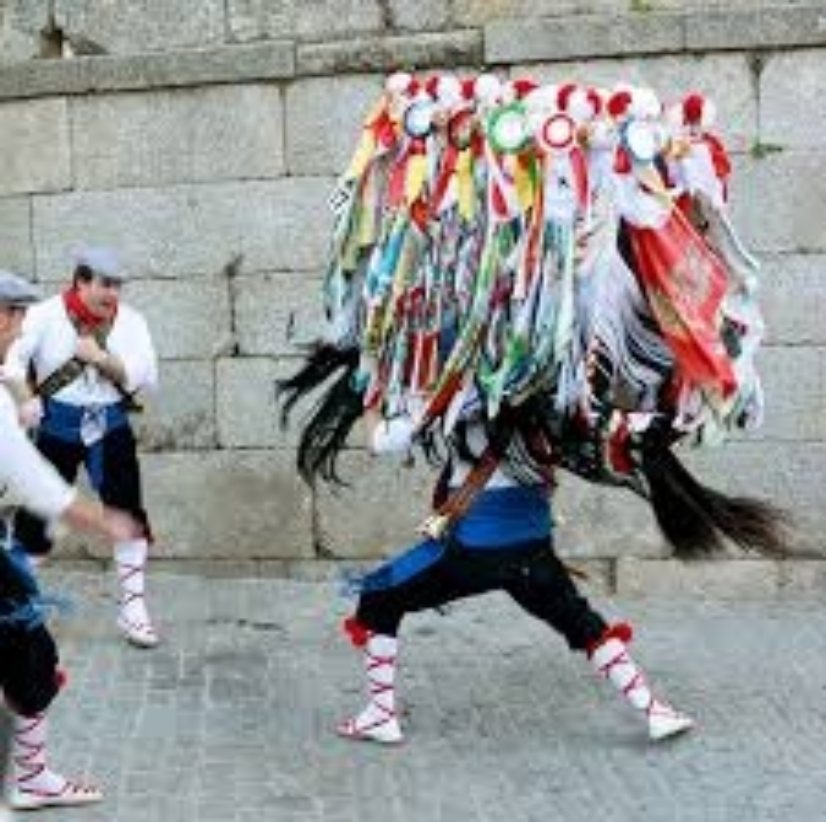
x: 693, y: 106
x: 431, y: 86
x: 356, y: 631
x: 467, y: 88
x: 618, y: 103
x: 620, y: 630
x: 61, y: 678
x: 523, y: 87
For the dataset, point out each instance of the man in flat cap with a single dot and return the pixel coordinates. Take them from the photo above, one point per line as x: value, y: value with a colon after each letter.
x: 29, y: 673
x: 89, y: 354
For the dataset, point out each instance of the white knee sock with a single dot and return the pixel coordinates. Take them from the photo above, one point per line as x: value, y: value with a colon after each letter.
x: 378, y: 720
x: 29, y: 767
x: 130, y: 558
x: 613, y: 661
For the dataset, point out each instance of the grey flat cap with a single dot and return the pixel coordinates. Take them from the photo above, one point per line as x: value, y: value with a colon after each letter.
x: 15, y: 291
x: 101, y: 261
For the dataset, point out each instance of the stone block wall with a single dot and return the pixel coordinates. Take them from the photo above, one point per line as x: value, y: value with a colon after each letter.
x: 201, y: 140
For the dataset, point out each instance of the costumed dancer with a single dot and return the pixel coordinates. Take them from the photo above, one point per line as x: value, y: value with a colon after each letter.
x: 89, y: 355
x: 503, y: 541
x: 513, y: 281
x: 29, y: 673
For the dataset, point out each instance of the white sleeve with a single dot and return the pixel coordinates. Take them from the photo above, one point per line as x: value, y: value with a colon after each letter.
x: 140, y: 361
x: 392, y: 436
x: 22, y: 350
x: 32, y: 480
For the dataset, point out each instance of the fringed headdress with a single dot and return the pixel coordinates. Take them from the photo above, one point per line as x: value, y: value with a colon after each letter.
x: 561, y: 248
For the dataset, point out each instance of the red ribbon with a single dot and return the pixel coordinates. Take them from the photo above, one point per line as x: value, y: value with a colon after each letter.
x: 685, y: 283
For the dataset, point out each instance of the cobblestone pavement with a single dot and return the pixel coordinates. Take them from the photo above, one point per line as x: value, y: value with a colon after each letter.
x: 231, y: 718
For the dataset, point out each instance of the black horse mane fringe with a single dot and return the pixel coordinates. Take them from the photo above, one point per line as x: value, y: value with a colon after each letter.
x: 325, y: 433
x: 693, y: 517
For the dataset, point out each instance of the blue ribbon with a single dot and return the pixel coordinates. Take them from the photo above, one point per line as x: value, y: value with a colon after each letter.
x: 499, y: 519
x: 65, y: 422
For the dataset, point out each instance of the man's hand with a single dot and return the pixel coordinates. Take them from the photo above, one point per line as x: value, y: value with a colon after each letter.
x: 30, y: 413
x: 393, y: 436
x: 88, y: 516
x: 88, y: 350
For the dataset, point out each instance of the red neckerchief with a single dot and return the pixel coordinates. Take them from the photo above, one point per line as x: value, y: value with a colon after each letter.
x: 80, y: 314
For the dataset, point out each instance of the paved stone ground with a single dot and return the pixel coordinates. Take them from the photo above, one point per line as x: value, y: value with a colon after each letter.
x: 231, y: 718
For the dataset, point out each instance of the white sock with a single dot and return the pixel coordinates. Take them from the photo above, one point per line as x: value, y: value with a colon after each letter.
x: 31, y: 773
x: 130, y: 558
x: 380, y: 667
x: 614, y: 662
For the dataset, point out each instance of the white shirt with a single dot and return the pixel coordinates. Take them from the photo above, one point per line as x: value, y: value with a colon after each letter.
x: 48, y: 341
x: 26, y: 477
x: 396, y: 436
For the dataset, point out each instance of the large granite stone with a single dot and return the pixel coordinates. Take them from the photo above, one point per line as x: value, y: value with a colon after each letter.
x: 15, y: 235
x: 181, y: 415
x: 140, y: 72
x: 140, y: 25
x: 792, y: 95
x: 793, y: 298
x: 726, y: 579
x: 598, y: 522
x: 317, y: 20
x: 228, y: 504
x: 788, y: 474
x: 276, y: 313
x: 249, y: 20
x: 379, y: 512
x: 246, y: 403
x: 769, y: 25
x: 312, y: 21
x: 794, y: 380
x: 192, y: 135
x: 20, y: 24
x: 779, y: 200
x: 34, y: 139
x: 188, y: 318
x: 533, y: 40
x: 387, y: 53
x: 324, y: 117
x: 191, y: 230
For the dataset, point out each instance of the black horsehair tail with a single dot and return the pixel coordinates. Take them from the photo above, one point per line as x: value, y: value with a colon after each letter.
x: 321, y: 362
x: 332, y: 418
x: 693, y: 517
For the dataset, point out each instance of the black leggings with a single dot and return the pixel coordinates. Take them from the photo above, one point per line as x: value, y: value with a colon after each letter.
x: 28, y: 668
x: 120, y: 487
x: 532, y: 574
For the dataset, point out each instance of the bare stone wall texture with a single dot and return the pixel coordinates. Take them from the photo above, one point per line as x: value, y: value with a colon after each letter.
x: 201, y: 137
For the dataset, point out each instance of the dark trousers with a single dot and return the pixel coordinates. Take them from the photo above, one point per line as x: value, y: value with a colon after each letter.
x: 120, y: 486
x: 28, y: 668
x: 532, y: 574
